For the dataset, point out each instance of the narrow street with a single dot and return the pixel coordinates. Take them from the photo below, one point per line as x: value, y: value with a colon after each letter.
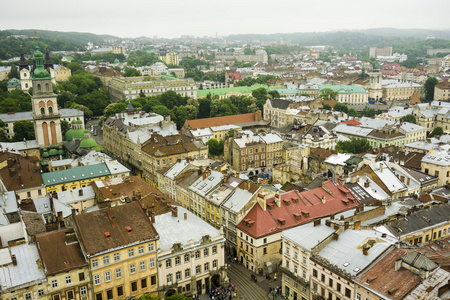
x: 247, y: 289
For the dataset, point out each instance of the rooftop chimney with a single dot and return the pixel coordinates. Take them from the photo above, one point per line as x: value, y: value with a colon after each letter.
x: 316, y: 222
x: 14, y: 259
x: 367, y: 183
x: 175, y: 211
x: 185, y: 216
x: 366, y: 250
x: 381, y: 167
x: 80, y: 192
x: 357, y: 225
x: 113, y: 220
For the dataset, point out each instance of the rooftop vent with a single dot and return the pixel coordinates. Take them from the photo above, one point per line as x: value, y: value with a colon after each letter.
x: 107, y: 234
x: 128, y: 228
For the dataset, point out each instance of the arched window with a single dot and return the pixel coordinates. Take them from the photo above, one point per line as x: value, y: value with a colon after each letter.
x: 47, y: 87
x: 42, y: 111
x: 50, y: 110
x: 39, y: 87
x: 26, y: 85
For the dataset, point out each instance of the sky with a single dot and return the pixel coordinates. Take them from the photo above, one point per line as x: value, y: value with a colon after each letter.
x: 173, y: 18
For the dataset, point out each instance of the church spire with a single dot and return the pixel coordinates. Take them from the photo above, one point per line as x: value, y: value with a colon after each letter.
x: 39, y: 72
x: 48, y: 63
x: 23, y: 63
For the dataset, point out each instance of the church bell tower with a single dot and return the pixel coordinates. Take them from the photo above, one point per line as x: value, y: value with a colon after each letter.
x: 47, y: 120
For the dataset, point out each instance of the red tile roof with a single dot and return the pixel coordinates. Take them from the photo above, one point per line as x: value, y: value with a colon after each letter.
x: 352, y: 122
x: 234, y: 75
x: 297, y: 208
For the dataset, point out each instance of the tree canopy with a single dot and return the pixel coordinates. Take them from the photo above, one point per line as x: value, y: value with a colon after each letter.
x: 409, y: 118
x: 23, y: 130
x: 436, y: 131
x: 354, y: 146
x: 428, y: 86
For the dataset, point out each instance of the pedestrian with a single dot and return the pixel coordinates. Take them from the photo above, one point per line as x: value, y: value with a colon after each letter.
x: 275, y: 277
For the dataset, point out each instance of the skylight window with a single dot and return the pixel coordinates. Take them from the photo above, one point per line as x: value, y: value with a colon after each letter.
x: 346, y: 264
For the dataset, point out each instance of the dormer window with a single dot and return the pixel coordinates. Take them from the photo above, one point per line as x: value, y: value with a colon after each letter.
x: 281, y: 221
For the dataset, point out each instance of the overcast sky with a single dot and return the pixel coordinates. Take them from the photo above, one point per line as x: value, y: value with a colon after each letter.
x: 173, y: 18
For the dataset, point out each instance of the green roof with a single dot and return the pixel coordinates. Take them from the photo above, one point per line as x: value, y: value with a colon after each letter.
x: 13, y: 83
x: 287, y: 91
x: 44, y: 154
x: 75, y: 174
x: 61, y: 152
x: 53, y: 152
x: 88, y: 143
x: 347, y: 88
x: 74, y: 134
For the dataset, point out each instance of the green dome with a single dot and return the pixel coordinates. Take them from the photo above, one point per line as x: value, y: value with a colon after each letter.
x: 61, y: 152
x: 88, y: 143
x: 86, y: 130
x: 116, y: 61
x: 45, y: 150
x: 79, y: 122
x: 53, y: 152
x: 60, y: 147
x: 52, y: 146
x: 45, y: 154
x: 74, y: 122
x: 74, y: 134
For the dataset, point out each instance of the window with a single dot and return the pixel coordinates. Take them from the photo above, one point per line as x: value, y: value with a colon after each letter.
x: 338, y: 287
x: 304, y: 260
x: 81, y: 276
x: 141, y: 249
x: 152, y: 262
x: 98, y: 296
x: 287, y: 278
x: 287, y: 250
x: 206, y: 267
x: 95, y: 263
x: 96, y: 279
x: 142, y: 266
x: 315, y: 273
x: 83, y: 291
x: 68, y: 280
x: 107, y: 276
x: 130, y: 252
x: 198, y: 269
x: 304, y: 274
x: 106, y: 260
x: 144, y: 283
x: 116, y: 256
x: 187, y: 273
x: 168, y: 263
x: 54, y: 284
x: 109, y: 294
x: 358, y: 296
x: 177, y: 261
x: 295, y: 255
x: 322, y: 278
x: 178, y: 276
x: 134, y: 286
x: 132, y: 268
x: 151, y: 247
x: 28, y: 296
x: 169, y: 278
x: 205, y: 252
x: 265, y: 250
x: 197, y: 254
x: 118, y: 273
x: 153, y: 280
x: 41, y: 293
x: 120, y: 291
x: 287, y: 264
x: 295, y: 269
x: 330, y: 282
x: 215, y: 264
x: 214, y: 250
x: 55, y: 297
x: 314, y: 286
x: 348, y: 293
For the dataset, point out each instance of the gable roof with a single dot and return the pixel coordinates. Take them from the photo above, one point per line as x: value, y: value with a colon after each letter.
x: 93, y: 226
x: 60, y: 251
x: 297, y: 208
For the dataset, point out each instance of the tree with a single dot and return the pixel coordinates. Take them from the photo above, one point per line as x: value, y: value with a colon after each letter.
x: 340, y: 107
x: 14, y: 72
x: 161, y: 110
x: 204, y: 108
x: 215, y: 147
x: 87, y: 112
x: 23, y: 130
x: 436, y: 131
x: 409, y: 118
x: 326, y: 106
x: 429, y: 88
x: 74, y: 66
x: 355, y: 146
x: 275, y: 94
x: 368, y: 112
x: 352, y: 112
x: 64, y: 127
x: 3, y: 136
x: 130, y: 72
x: 114, y: 108
x: 328, y: 94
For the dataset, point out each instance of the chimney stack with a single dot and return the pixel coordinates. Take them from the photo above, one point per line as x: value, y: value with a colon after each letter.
x: 175, y: 211
x: 316, y: 222
x: 366, y: 250
x: 113, y: 220
x: 346, y: 225
x: 80, y: 192
x: 381, y: 167
x: 14, y: 259
x: 408, y: 181
x: 357, y: 225
x: 367, y: 183
x: 185, y: 216
x: 335, y: 236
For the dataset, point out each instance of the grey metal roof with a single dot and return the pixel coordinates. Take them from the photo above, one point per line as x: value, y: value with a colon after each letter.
x: 280, y: 104
x: 419, y: 220
x: 419, y: 261
x: 308, y: 236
